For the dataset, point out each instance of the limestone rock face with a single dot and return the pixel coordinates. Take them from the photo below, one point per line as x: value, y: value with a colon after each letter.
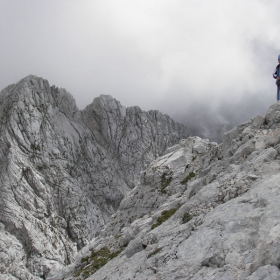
x: 64, y: 172
x: 201, y: 211
x: 134, y: 137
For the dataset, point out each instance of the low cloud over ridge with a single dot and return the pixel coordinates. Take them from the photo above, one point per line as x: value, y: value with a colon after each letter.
x: 206, y: 63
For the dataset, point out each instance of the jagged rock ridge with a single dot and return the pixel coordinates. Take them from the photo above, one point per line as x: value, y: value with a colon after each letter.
x: 201, y: 211
x: 64, y: 172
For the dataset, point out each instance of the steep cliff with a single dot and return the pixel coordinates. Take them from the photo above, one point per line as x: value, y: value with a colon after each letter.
x: 64, y: 172
x: 201, y: 211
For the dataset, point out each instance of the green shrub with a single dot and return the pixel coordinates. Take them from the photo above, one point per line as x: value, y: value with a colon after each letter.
x: 95, y: 261
x: 186, y: 179
x: 40, y: 167
x: 165, y: 181
x: 186, y: 218
x: 35, y: 147
x: 165, y: 215
x: 154, y: 252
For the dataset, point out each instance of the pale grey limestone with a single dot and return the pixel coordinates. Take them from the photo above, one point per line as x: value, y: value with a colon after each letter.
x: 232, y: 196
x: 91, y: 177
x: 64, y: 172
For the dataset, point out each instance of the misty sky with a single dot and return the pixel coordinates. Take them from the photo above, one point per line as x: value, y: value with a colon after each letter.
x: 207, y: 64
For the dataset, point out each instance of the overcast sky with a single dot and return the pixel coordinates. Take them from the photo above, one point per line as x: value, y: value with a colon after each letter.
x: 206, y: 63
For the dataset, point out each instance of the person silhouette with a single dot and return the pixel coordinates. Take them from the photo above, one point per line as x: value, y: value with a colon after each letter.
x: 276, y: 75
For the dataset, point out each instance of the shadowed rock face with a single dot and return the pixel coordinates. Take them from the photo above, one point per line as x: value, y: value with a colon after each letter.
x: 64, y: 172
x: 201, y: 211
x: 132, y: 136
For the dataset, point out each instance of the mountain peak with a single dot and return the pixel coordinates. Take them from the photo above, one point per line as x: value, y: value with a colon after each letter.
x: 66, y: 171
x: 201, y: 211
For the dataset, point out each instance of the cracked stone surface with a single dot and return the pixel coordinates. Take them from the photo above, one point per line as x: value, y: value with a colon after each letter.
x: 65, y: 171
x: 225, y: 221
x: 117, y: 193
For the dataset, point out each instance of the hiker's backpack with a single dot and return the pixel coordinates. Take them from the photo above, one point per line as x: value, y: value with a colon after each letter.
x: 275, y: 74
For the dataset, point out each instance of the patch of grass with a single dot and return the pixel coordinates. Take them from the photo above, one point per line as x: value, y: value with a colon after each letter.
x: 41, y: 167
x: 35, y: 147
x: 154, y: 252
x: 95, y: 261
x: 186, y: 179
x: 86, y: 259
x: 165, y: 181
x: 186, y: 218
x: 54, y: 245
x: 165, y: 215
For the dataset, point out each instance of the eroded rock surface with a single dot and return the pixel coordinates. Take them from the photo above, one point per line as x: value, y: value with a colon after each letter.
x: 201, y: 211
x: 64, y: 172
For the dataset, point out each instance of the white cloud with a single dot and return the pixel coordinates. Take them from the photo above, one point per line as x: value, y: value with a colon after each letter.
x: 157, y: 54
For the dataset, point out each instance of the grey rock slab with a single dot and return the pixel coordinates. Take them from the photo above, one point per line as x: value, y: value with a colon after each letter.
x: 273, y: 115
x: 266, y: 272
x: 65, y: 171
x: 232, y: 204
x: 110, y: 176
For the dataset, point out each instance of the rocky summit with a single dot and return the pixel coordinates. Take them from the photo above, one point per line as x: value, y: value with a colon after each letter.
x: 202, y: 211
x: 114, y: 193
x: 65, y: 171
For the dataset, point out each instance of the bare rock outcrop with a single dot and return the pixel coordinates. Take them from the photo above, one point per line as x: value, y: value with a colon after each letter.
x: 201, y: 211
x: 64, y: 172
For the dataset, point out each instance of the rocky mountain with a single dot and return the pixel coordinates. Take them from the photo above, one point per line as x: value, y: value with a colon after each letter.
x: 65, y: 171
x: 201, y: 211
x: 117, y: 193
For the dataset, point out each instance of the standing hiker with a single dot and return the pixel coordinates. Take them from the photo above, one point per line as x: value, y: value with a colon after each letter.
x: 276, y: 75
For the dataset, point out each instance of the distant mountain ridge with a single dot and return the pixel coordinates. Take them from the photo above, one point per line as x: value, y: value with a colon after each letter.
x: 64, y: 171
x: 110, y: 192
x: 201, y: 211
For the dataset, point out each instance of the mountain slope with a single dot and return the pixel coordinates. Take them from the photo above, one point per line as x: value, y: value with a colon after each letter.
x: 201, y: 211
x: 63, y: 171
